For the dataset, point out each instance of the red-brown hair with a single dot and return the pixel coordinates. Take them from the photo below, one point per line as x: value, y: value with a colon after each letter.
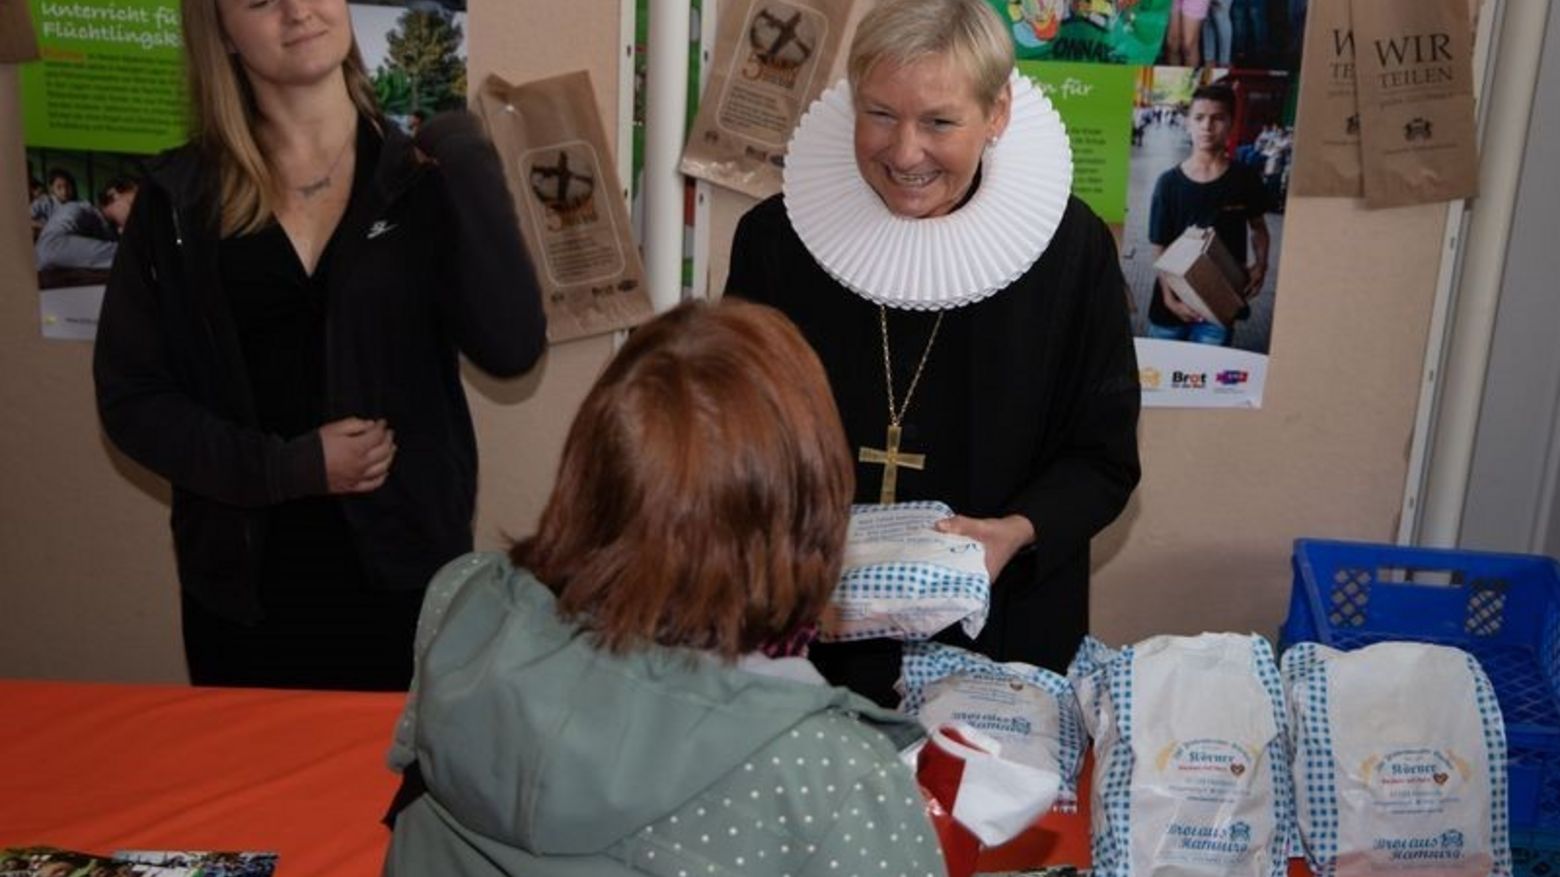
x: 705, y: 488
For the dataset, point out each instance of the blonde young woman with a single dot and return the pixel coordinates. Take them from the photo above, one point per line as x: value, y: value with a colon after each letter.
x: 280, y: 339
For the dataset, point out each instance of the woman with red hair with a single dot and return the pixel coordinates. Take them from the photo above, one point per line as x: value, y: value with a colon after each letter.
x: 617, y: 695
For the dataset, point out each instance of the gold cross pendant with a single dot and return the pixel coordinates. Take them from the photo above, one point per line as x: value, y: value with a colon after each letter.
x: 891, y: 459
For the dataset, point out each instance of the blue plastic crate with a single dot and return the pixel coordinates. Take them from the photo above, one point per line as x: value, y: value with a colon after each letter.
x: 1503, y: 608
x: 1535, y: 855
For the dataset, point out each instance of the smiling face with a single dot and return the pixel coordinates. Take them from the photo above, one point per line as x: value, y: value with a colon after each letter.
x: 920, y: 134
x: 1209, y: 122
x: 287, y: 42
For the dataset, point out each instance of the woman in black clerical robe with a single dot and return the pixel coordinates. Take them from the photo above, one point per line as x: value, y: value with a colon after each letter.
x: 971, y: 315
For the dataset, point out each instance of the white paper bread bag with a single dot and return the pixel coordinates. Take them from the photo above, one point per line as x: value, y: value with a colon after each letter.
x: 1015, y: 727
x: 903, y: 580
x: 1191, y: 767
x: 1399, y: 761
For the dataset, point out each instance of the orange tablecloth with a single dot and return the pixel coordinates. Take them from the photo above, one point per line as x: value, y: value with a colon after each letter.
x: 100, y: 768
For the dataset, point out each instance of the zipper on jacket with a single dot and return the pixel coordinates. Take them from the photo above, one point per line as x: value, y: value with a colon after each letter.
x: 178, y: 241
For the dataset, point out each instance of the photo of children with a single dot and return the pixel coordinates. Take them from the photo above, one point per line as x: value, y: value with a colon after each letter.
x: 415, y: 51
x: 80, y: 202
x: 1210, y: 150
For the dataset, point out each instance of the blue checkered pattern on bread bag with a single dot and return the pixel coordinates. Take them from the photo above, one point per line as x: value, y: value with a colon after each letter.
x: 900, y: 593
x: 1316, y: 807
x: 1504, y: 609
x: 1278, y: 753
x: 1103, y: 676
x: 1106, y: 675
x: 1494, y: 728
x: 1316, y: 768
x: 926, y: 663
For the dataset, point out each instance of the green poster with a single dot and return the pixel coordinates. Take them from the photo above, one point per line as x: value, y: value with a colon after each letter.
x: 1095, y: 102
x: 110, y: 79
x: 1101, y: 31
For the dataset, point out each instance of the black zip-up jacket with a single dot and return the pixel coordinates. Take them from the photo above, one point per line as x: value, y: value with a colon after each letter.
x: 429, y: 265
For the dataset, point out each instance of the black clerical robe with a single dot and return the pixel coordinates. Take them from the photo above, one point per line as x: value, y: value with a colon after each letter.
x: 1028, y: 404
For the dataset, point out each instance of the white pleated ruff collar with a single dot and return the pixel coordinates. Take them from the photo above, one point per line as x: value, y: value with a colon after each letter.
x: 940, y: 262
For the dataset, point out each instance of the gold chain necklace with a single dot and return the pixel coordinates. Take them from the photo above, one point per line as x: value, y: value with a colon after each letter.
x: 890, y: 457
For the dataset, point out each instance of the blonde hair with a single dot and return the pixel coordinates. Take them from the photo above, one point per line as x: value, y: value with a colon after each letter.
x: 224, y: 116
x: 967, y: 32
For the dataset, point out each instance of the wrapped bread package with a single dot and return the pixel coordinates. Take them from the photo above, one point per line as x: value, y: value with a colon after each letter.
x: 903, y: 580
x: 1399, y: 761
x: 1191, y: 767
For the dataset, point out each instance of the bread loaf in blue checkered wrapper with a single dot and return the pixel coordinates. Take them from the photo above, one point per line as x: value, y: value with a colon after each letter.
x: 1191, y: 766
x: 1399, y: 761
x: 903, y: 580
x: 1029, y: 710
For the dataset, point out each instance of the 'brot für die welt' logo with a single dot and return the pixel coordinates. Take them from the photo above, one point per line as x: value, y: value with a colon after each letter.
x: 781, y: 40
x: 567, y: 188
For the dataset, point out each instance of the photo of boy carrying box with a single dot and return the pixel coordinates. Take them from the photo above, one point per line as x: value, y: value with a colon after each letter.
x: 1208, y: 190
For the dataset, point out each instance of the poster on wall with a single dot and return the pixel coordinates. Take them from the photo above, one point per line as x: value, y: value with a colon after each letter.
x: 415, y: 52
x: 1104, y: 31
x: 108, y: 93
x: 1181, y: 120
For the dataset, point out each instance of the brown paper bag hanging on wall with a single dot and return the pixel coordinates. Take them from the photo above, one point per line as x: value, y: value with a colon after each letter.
x: 561, y: 174
x: 1327, y: 127
x: 18, y: 41
x: 1415, y: 77
x: 772, y: 60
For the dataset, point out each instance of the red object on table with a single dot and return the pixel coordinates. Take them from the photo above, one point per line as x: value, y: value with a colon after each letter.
x: 1058, y: 839
x: 940, y: 774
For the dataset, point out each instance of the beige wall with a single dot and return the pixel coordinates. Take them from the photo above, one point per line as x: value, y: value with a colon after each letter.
x: 86, y: 573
